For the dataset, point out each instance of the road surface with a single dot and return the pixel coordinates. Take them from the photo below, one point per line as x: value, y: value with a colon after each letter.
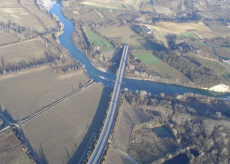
x: 104, y: 136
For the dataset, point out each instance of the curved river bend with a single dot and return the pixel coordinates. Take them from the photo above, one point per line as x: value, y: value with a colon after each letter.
x: 153, y: 87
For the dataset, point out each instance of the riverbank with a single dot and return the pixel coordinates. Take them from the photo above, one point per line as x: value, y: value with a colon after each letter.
x: 221, y: 88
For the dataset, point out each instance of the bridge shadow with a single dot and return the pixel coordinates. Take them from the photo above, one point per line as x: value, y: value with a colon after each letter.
x: 93, y: 128
x: 116, y: 59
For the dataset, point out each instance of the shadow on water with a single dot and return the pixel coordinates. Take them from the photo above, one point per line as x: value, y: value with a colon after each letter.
x: 93, y: 128
x: 116, y: 59
x: 180, y: 159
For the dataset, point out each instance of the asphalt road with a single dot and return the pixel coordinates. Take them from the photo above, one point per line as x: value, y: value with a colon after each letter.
x: 104, y: 136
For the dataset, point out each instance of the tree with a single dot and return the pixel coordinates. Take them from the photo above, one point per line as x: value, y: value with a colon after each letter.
x: 2, y: 62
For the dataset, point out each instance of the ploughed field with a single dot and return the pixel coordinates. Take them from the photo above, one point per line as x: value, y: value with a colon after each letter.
x: 6, y: 38
x: 50, y: 23
x: 13, y: 11
x: 57, y: 133
x: 27, y: 92
x: 11, y: 150
x: 27, y: 51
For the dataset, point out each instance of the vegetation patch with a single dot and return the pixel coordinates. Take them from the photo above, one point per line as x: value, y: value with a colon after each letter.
x: 95, y: 39
x: 226, y: 74
x: 164, y: 70
x: 189, y: 35
x: 214, y: 65
x: 148, y: 59
x: 106, y: 49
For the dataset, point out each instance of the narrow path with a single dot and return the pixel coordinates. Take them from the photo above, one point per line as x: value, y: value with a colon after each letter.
x: 125, y: 154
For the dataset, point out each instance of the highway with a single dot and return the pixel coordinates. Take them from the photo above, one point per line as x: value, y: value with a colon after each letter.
x: 104, y: 136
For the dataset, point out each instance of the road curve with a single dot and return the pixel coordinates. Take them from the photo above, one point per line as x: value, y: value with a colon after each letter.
x: 104, y: 136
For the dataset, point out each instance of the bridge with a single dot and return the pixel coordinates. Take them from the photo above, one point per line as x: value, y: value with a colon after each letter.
x: 104, y: 136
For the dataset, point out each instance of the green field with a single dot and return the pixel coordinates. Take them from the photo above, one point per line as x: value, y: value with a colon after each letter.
x: 214, y: 65
x: 96, y: 40
x: 165, y: 71
x: 106, y: 49
x: 189, y: 35
x: 226, y: 74
x: 148, y: 59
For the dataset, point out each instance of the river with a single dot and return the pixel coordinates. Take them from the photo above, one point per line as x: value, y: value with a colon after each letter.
x: 152, y: 87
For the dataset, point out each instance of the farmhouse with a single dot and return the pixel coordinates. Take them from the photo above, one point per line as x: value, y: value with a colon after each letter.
x: 146, y: 29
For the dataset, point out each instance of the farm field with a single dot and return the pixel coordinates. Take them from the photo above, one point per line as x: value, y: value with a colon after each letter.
x: 126, y: 34
x: 106, y: 49
x: 24, y: 50
x: 11, y: 149
x: 214, y: 65
x: 11, y: 10
x: 165, y: 71
x: 189, y: 35
x: 26, y: 93
x: 223, y: 52
x: 96, y: 40
x: 162, y: 29
x: 147, y: 7
x: 162, y: 10
x: 6, y: 38
x: 148, y: 59
x: 48, y: 21
x: 62, y: 132
x: 109, y: 4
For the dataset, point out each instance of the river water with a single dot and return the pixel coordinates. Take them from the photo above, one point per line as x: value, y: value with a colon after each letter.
x: 153, y: 87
